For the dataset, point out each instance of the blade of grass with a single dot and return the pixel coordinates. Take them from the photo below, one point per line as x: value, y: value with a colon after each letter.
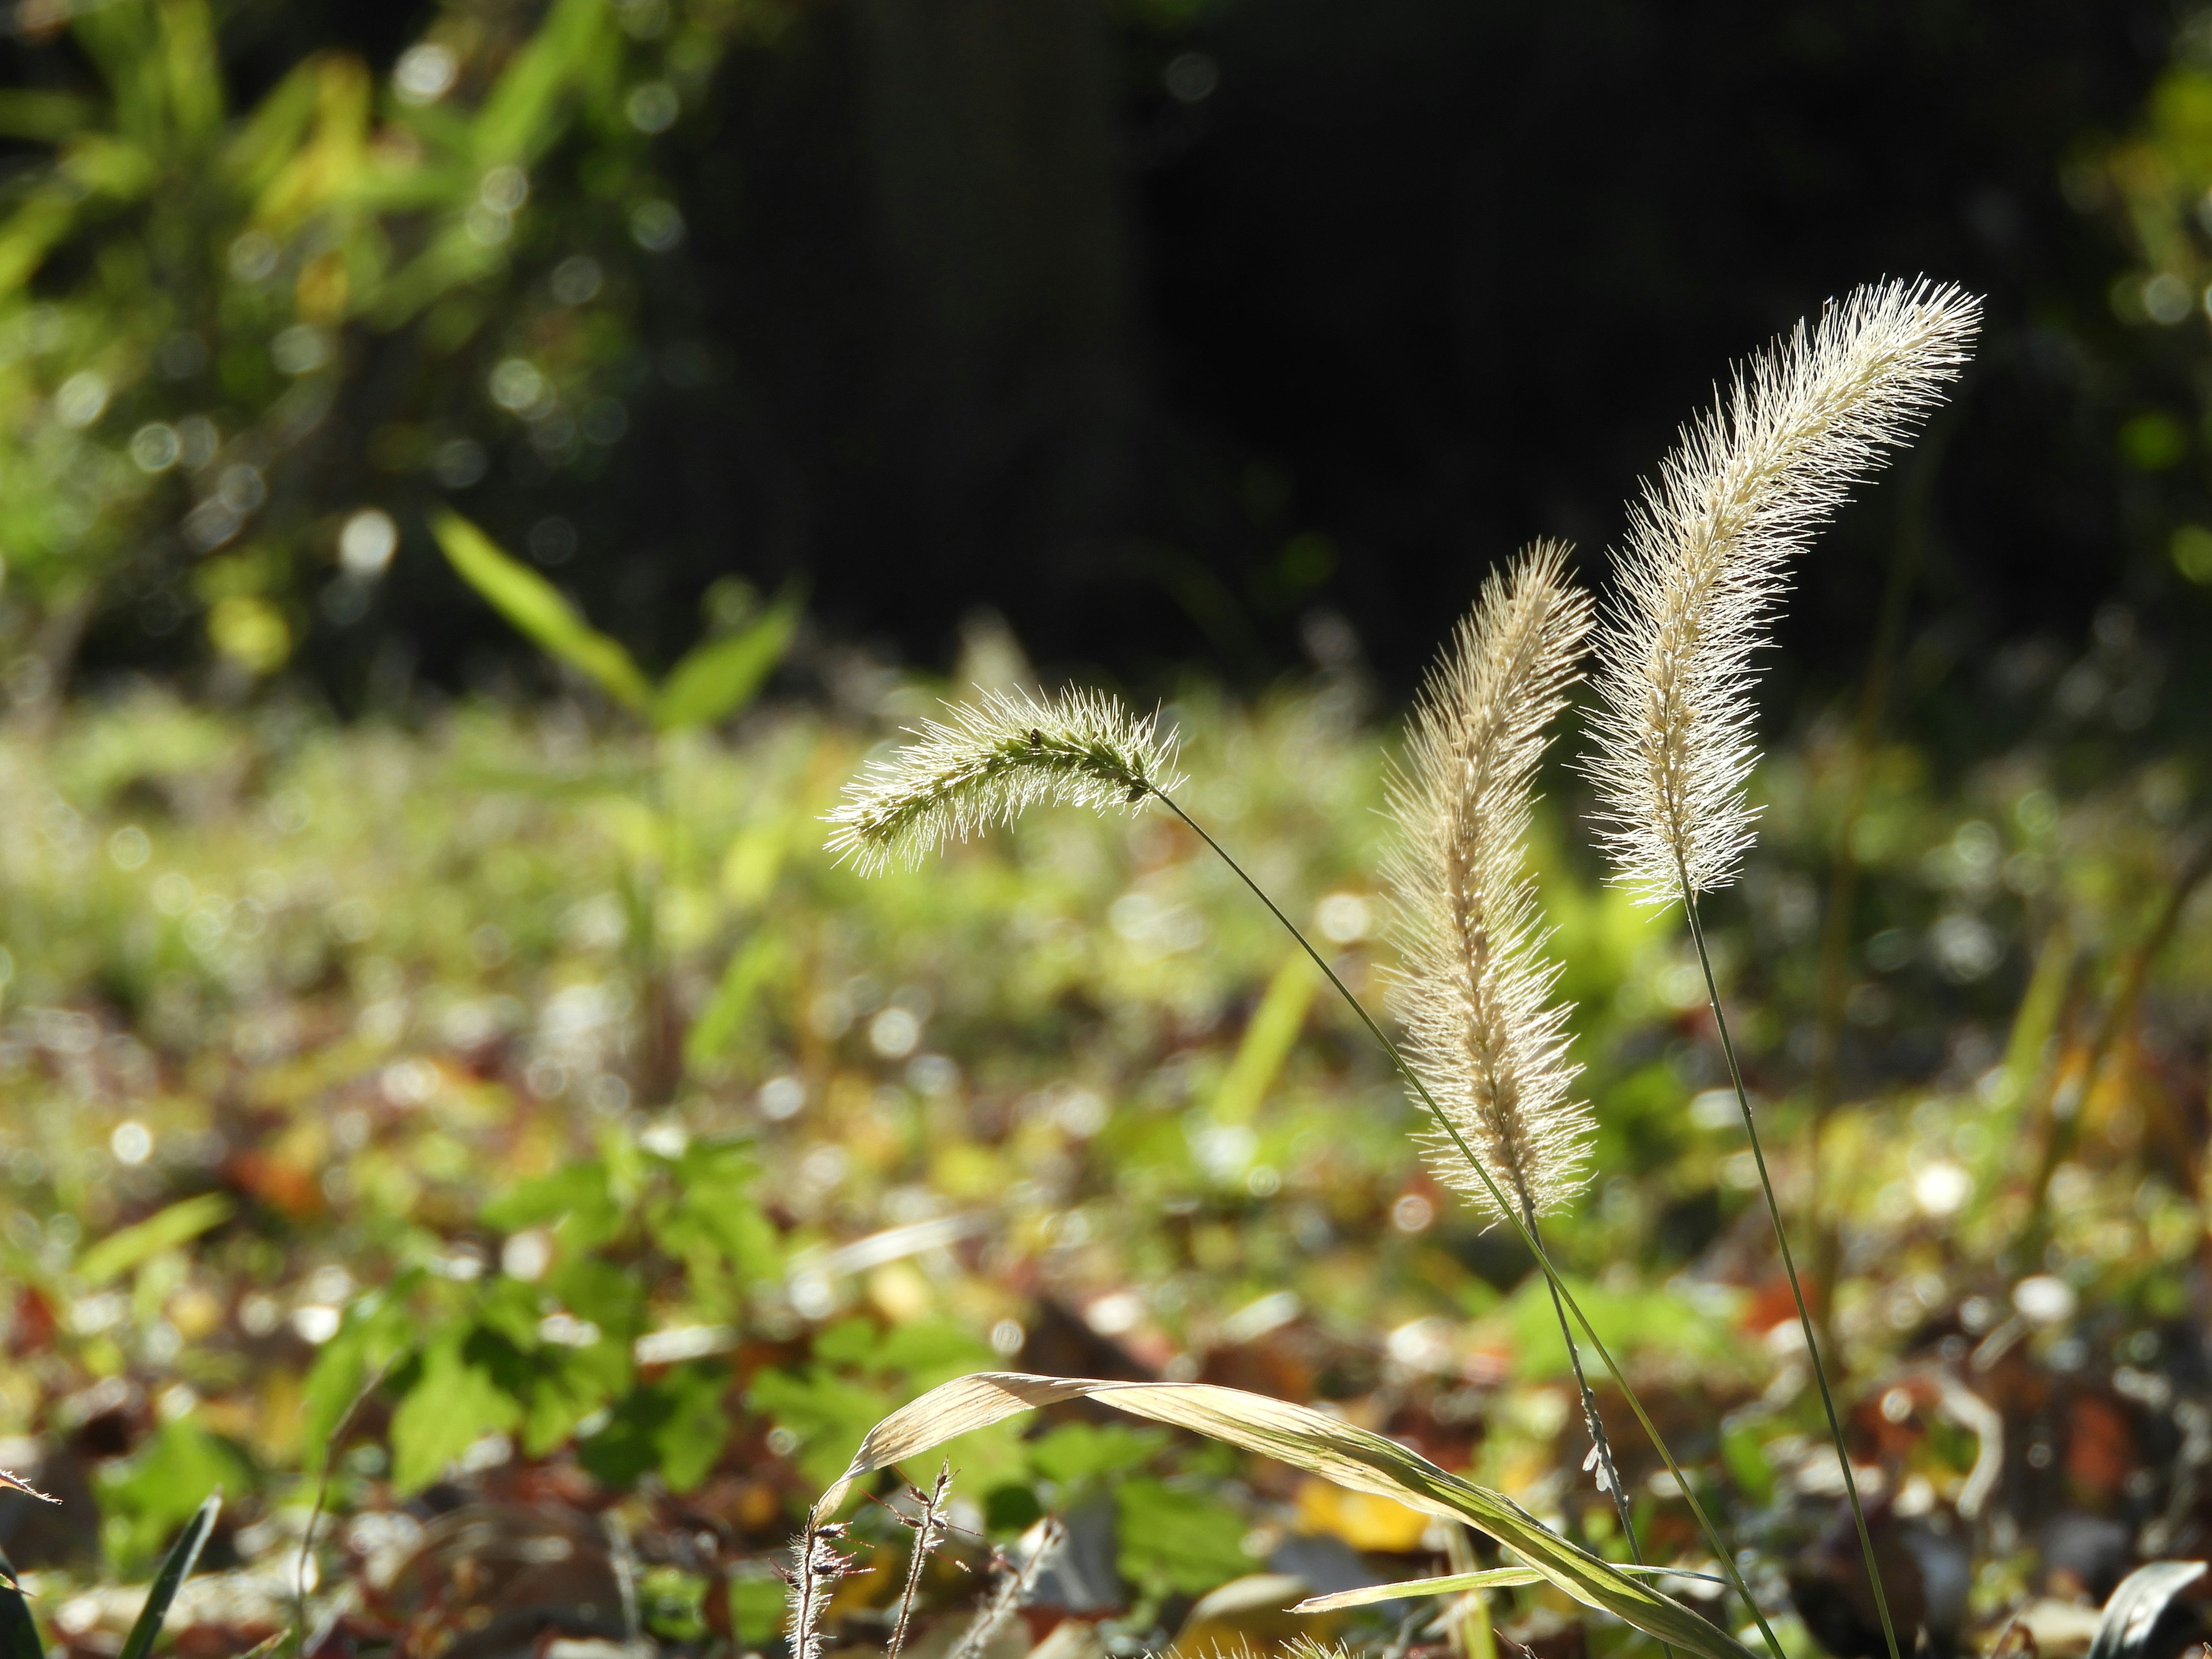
x: 176, y: 1567
x: 1305, y: 1439
x: 1486, y: 1578
x: 538, y: 609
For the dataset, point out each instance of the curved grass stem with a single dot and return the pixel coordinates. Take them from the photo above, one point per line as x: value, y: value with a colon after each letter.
x: 1790, y: 1267
x: 1720, y: 1551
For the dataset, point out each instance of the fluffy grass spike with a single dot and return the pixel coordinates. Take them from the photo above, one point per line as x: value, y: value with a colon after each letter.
x: 987, y: 762
x: 1474, y: 988
x: 1709, y: 543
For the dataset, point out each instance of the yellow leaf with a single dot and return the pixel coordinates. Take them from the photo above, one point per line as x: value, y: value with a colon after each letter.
x: 1363, y: 1520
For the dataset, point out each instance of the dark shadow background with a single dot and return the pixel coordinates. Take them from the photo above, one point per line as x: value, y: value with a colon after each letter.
x: 1167, y: 338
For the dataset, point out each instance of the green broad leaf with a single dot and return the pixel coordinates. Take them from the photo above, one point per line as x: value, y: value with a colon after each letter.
x: 1305, y: 1439
x: 176, y: 1567
x: 377, y: 1332
x: 146, y: 1496
x: 566, y: 1390
x: 827, y: 1412
x: 555, y: 1384
x: 538, y: 609
x: 758, y: 1606
x: 580, y: 1194
x: 1076, y: 1452
x: 603, y: 1291
x: 675, y: 1425
x: 179, y: 1224
x: 453, y: 1404
x: 721, y: 676
x: 712, y: 1212
x: 1172, y: 1540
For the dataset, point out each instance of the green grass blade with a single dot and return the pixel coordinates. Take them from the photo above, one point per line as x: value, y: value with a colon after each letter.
x: 538, y: 609
x: 1367, y: 1596
x: 176, y: 1567
x: 166, y: 1230
x: 722, y: 675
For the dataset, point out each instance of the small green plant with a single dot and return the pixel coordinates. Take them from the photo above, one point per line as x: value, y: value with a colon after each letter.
x: 716, y: 679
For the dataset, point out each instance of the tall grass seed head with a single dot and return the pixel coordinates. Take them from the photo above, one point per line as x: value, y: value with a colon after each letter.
x: 1705, y: 561
x: 987, y: 762
x: 1473, y: 986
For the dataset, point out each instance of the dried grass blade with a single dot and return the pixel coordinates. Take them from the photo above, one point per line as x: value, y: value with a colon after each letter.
x: 1305, y: 1439
x: 1451, y: 1583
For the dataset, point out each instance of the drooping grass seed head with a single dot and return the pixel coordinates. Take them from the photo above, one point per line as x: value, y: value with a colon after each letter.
x: 1748, y: 485
x: 1473, y: 986
x: 987, y: 762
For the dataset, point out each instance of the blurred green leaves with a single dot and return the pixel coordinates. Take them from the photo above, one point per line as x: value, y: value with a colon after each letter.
x: 553, y: 1352
x: 223, y: 333
x: 179, y: 1224
x: 715, y: 680
x: 162, y: 1485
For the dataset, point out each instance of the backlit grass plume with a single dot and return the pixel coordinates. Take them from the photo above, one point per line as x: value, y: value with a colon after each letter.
x: 1747, y: 485
x: 1473, y: 986
x: 987, y: 762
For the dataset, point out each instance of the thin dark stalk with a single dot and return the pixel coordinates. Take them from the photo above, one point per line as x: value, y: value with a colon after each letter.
x: 1720, y: 1548
x: 1790, y: 1267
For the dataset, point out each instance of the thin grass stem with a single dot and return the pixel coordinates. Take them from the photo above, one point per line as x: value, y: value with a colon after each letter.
x: 1790, y: 1268
x: 1593, y: 1425
x: 928, y: 1532
x: 1592, y: 1422
x: 1558, y: 1287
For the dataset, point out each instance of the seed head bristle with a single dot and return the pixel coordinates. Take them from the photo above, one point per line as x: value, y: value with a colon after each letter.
x: 1472, y: 983
x: 1747, y: 484
x: 987, y: 762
